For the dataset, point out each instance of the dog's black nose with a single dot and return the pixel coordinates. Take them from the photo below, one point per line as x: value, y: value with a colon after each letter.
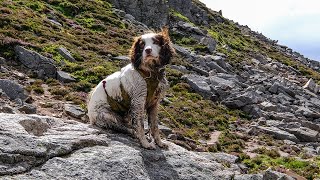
x: 148, y: 50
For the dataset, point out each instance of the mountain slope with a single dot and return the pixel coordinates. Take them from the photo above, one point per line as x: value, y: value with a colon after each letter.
x: 223, y: 78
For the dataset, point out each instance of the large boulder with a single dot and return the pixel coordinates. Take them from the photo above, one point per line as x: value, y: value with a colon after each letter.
x: 274, y: 131
x: 12, y: 89
x: 150, y: 12
x: 66, y: 54
x: 199, y: 84
x: 241, y: 99
x: 38, y: 147
x: 312, y: 86
x: 44, y: 67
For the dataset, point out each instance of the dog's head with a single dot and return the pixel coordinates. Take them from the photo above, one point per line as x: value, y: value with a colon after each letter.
x: 151, y: 51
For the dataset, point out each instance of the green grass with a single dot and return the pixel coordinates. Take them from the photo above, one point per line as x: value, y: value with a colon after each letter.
x: 192, y: 115
x: 308, y: 169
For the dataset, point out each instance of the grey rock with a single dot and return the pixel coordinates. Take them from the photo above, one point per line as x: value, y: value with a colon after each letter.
x: 129, y: 16
x: 274, y: 131
x: 274, y: 88
x: 152, y: 13
x: 12, y: 89
x: 164, y: 129
x: 28, y: 109
x: 6, y: 109
x: 55, y: 22
x: 210, y: 43
x: 74, y: 110
x: 304, y: 134
x: 2, y: 60
x: 312, y: 86
x: 307, y: 112
x: 180, y: 68
x: 199, y: 70
x: 242, y: 99
x: 27, y: 141
x: 215, y: 66
x: 253, y: 110
x: 199, y: 84
x: 224, y: 84
x: 183, y: 51
x: 66, y: 54
x: 274, y: 175
x: 318, y: 150
x: 119, y: 12
x: 121, y: 58
x: 64, y: 77
x: 193, y: 12
x: 268, y: 106
x: 43, y: 66
x: 225, y: 158
x: 248, y: 177
x: 52, y: 148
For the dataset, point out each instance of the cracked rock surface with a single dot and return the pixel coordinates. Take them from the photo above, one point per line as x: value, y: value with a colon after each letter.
x: 40, y: 147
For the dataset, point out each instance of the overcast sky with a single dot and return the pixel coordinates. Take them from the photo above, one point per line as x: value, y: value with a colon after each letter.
x: 295, y: 23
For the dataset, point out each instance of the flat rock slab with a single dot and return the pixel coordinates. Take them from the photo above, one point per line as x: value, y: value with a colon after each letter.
x: 39, y: 147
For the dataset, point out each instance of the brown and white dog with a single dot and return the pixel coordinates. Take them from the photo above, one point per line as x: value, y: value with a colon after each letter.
x: 123, y: 99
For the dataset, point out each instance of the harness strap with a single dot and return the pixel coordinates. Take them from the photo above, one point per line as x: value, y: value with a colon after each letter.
x: 104, y: 87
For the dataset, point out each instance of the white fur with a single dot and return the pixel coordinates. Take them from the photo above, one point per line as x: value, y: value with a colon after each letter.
x: 149, y: 43
x: 132, y: 83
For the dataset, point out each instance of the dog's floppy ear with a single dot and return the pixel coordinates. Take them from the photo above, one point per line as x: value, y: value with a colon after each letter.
x: 136, y: 52
x: 167, y: 50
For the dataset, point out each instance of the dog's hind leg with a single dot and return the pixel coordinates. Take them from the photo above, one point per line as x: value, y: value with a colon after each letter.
x: 109, y: 120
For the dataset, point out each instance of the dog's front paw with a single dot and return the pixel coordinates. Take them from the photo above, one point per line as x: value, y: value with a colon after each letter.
x: 148, y: 145
x: 162, y: 144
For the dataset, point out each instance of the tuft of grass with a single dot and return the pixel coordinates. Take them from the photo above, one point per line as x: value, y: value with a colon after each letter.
x: 273, y: 153
x: 36, y: 87
x: 231, y: 142
x: 308, y: 169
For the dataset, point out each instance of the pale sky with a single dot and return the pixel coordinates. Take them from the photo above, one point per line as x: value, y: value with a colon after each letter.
x: 295, y: 23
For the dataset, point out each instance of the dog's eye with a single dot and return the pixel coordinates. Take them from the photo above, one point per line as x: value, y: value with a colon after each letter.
x: 156, y: 41
x: 141, y: 44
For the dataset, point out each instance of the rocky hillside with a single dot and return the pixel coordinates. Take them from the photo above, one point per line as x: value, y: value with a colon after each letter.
x: 240, y: 106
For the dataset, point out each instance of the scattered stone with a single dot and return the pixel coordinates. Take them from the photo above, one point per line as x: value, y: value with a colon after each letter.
x: 225, y: 158
x: 74, y: 110
x: 312, y: 86
x: 268, y: 106
x: 242, y: 99
x: 274, y: 131
x: 121, y: 58
x: 215, y: 66
x: 274, y: 175
x: 55, y: 22
x: 13, y: 89
x: 180, y: 68
x: 64, y: 77
x: 28, y: 109
x: 199, y: 84
x: 6, y: 109
x: 66, y: 54
x: 248, y: 177
x: 304, y: 134
x: 44, y: 67
x: 210, y: 43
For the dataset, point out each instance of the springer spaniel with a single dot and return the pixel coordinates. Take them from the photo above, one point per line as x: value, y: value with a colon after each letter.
x: 123, y: 99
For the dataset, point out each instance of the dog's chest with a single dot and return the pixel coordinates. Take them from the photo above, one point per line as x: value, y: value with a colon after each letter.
x: 153, y: 92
